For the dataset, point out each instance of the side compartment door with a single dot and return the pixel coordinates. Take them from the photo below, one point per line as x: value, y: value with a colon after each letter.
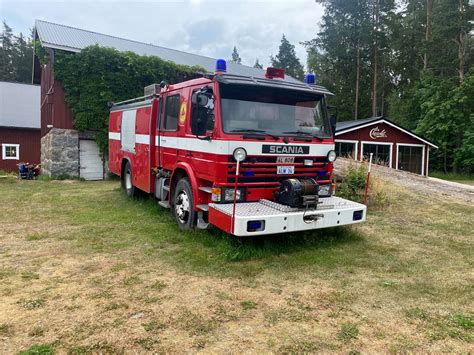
x: 143, y: 150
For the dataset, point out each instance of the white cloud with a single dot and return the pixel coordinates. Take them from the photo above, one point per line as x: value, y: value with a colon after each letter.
x: 205, y: 27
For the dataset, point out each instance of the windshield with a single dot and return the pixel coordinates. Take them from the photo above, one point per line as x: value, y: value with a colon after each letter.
x: 273, y: 111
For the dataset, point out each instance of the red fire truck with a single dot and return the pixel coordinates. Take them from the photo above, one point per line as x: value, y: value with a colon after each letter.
x: 248, y: 155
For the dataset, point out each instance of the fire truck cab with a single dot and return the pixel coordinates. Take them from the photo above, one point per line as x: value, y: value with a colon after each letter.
x: 248, y: 155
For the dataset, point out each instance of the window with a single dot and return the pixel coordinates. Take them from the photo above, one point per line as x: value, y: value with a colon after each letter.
x: 274, y: 111
x: 10, y: 151
x: 381, y: 153
x: 345, y: 150
x: 172, y: 113
x: 205, y: 111
x: 128, y: 130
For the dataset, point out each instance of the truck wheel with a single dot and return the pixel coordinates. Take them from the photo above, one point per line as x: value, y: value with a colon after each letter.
x: 127, y: 181
x: 182, y: 205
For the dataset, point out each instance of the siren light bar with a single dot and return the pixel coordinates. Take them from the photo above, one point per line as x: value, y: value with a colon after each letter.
x: 272, y: 73
x: 221, y: 66
x: 310, y: 79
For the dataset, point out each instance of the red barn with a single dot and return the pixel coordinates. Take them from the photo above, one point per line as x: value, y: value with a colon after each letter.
x: 391, y: 144
x: 19, y: 124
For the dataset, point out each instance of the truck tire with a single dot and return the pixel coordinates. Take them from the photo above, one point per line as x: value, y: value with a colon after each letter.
x: 127, y: 181
x: 182, y: 205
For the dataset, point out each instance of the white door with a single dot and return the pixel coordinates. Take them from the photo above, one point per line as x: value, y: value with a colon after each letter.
x: 91, y: 165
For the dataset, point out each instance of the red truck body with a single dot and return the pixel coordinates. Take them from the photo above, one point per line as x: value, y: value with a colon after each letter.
x: 154, y: 148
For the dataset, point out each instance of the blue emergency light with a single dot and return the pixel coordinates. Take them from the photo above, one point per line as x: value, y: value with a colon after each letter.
x: 310, y: 79
x: 221, y: 65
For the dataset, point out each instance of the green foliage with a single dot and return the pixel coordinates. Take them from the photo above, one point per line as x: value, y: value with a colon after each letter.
x: 420, y: 80
x: 447, y: 119
x: 97, y: 75
x: 16, y: 56
x: 353, y: 184
x: 286, y: 58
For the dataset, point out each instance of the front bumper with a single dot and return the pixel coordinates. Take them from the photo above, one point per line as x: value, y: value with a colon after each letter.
x: 277, y: 218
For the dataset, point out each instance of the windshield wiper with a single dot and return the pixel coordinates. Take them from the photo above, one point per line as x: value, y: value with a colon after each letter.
x: 258, y: 131
x: 301, y: 133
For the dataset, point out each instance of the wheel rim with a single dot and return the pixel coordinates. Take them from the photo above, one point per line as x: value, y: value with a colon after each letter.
x: 181, y: 206
x: 128, y: 180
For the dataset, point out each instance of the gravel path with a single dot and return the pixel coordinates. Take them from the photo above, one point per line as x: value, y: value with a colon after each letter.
x: 429, y: 186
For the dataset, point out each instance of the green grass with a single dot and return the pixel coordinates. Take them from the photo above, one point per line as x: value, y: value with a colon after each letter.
x: 456, y: 177
x: 405, y: 268
x: 247, y: 305
x: 348, y: 331
x: 44, y: 349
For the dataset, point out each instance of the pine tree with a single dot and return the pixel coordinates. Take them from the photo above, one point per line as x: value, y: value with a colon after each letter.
x: 286, y: 58
x: 23, y: 59
x: 7, y: 54
x: 257, y: 65
x: 235, y: 56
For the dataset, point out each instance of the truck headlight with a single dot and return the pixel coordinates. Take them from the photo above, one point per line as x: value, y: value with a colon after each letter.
x: 240, y: 154
x: 229, y: 195
x: 331, y: 156
x: 325, y: 190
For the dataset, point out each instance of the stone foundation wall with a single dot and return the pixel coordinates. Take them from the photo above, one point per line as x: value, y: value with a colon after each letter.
x: 60, y: 152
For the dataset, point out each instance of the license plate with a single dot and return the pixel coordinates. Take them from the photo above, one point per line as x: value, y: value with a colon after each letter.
x: 285, y: 160
x: 285, y: 170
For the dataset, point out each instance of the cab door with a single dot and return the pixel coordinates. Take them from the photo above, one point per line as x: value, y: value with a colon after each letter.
x: 169, y: 130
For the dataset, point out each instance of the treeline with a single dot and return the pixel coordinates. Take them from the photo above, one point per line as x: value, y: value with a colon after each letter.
x: 16, y: 56
x: 408, y: 60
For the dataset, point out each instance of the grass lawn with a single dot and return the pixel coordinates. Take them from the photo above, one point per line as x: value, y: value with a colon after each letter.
x: 456, y: 177
x: 84, y: 269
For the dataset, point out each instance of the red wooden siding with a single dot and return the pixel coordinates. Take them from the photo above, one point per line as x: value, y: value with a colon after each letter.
x: 393, y: 135
x: 30, y: 146
x: 54, y: 110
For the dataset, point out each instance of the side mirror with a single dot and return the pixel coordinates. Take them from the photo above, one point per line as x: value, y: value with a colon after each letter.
x: 199, y: 99
x: 333, y: 121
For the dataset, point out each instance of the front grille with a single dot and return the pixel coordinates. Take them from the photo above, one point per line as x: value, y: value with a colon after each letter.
x: 258, y: 170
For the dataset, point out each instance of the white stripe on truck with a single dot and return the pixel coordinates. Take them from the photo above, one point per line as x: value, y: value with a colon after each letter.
x: 223, y: 147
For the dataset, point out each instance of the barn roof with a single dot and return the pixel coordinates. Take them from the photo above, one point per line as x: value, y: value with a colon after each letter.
x: 19, y: 105
x: 352, y: 125
x: 67, y: 38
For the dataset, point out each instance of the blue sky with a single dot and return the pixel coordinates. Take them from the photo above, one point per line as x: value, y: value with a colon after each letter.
x: 205, y: 27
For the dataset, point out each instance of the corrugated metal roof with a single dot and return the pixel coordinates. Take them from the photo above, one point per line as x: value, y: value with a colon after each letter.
x: 20, y: 105
x: 53, y: 35
x: 342, y: 126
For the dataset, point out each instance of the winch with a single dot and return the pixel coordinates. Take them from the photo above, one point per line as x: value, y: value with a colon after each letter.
x: 300, y: 193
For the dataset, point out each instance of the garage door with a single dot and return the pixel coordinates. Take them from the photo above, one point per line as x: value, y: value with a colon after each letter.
x: 91, y: 164
x: 410, y: 158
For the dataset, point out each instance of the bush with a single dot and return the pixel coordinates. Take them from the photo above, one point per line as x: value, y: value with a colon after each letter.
x: 353, y: 184
x: 353, y: 187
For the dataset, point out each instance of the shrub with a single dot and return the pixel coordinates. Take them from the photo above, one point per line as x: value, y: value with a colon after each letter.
x: 353, y: 184
x: 353, y: 187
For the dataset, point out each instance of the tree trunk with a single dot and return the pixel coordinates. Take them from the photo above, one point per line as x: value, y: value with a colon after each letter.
x: 375, y: 76
x: 461, y: 41
x: 356, y: 100
x: 429, y: 30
